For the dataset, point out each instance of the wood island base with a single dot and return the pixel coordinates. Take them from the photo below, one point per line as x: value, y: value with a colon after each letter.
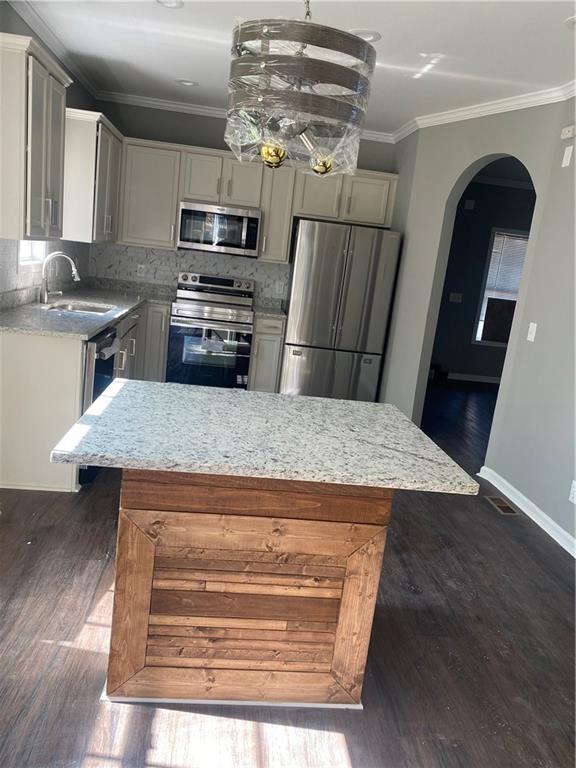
x: 232, y: 589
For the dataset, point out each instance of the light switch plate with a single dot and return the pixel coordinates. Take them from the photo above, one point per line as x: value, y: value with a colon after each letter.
x: 532, y: 331
x: 567, y: 132
x: 141, y: 270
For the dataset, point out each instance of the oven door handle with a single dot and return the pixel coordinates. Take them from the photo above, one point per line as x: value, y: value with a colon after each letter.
x: 183, y: 323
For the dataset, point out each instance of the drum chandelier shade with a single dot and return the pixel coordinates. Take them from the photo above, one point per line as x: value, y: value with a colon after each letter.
x: 298, y: 93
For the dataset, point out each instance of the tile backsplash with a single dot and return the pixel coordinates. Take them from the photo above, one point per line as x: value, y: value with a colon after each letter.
x: 146, y: 265
x: 20, y: 283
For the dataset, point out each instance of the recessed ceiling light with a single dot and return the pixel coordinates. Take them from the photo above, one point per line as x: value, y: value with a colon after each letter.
x: 370, y: 35
x: 171, y: 3
x: 190, y: 83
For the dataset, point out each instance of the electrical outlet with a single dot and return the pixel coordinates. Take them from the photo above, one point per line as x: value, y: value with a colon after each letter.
x: 279, y: 289
x: 141, y: 270
x: 531, y: 332
x: 572, y: 496
x: 567, y: 132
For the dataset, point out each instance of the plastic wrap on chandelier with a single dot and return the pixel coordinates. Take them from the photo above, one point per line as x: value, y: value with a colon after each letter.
x: 298, y: 93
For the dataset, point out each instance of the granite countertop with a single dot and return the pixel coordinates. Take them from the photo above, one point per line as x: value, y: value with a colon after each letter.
x: 178, y: 427
x: 36, y: 319
x: 264, y: 311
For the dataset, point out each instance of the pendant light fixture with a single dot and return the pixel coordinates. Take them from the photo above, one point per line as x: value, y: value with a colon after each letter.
x: 298, y: 93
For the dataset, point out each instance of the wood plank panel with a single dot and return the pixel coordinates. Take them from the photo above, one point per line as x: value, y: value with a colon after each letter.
x: 249, y: 578
x: 269, y: 589
x: 357, y: 612
x: 256, y: 589
x: 254, y: 533
x: 200, y: 633
x: 134, y: 567
x: 230, y: 481
x: 241, y: 685
x: 244, y: 606
x: 312, y: 626
x: 181, y: 497
x: 244, y: 654
x: 223, y: 642
x: 215, y: 621
x: 292, y: 666
x: 187, y: 584
x: 250, y: 561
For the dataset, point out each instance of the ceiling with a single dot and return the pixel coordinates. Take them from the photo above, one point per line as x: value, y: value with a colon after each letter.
x: 490, y: 50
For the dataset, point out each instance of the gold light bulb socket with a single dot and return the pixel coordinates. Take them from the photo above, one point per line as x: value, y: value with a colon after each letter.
x: 321, y: 165
x: 272, y: 155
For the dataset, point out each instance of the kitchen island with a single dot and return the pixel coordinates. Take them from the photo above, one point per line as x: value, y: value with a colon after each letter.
x: 251, y: 536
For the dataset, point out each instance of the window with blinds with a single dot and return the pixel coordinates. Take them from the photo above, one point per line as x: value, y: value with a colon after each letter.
x: 498, y: 300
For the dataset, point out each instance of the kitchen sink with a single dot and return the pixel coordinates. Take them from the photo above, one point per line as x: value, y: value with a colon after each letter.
x: 81, y: 306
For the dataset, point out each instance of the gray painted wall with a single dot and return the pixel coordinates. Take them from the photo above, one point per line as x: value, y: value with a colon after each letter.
x: 532, y: 439
x: 198, y: 131
x: 494, y: 206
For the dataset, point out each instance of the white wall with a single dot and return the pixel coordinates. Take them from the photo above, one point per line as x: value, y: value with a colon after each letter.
x: 532, y: 438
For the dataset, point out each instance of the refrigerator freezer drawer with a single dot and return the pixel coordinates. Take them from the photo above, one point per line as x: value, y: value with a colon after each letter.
x: 329, y: 373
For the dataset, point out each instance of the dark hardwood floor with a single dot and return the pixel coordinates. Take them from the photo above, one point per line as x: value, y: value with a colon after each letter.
x: 471, y: 660
x: 458, y: 416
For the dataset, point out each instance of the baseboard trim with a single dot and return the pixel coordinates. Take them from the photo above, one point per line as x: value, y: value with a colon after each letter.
x: 474, y: 377
x: 534, y: 512
x: 33, y: 487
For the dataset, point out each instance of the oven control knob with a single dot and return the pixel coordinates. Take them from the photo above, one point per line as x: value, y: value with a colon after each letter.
x: 184, y: 277
x: 246, y: 285
x: 237, y: 284
x: 194, y: 278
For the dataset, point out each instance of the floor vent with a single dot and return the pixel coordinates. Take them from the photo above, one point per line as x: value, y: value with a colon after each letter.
x: 501, y: 505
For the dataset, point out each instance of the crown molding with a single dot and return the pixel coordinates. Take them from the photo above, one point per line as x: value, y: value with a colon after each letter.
x: 384, y: 138
x: 28, y: 14
x: 165, y: 104
x: 523, y: 101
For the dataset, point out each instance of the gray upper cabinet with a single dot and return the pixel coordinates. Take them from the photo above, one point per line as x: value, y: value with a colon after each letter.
x: 202, y: 177
x: 241, y: 183
x: 365, y: 197
x: 150, y: 195
x: 32, y: 105
x: 92, y: 161
x: 317, y: 197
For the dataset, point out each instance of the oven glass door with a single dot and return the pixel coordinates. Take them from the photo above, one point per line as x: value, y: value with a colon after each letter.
x: 224, y: 232
x: 209, y: 354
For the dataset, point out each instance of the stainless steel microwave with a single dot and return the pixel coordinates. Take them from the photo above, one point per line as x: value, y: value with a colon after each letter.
x: 217, y: 228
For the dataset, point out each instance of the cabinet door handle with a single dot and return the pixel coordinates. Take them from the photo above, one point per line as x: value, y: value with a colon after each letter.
x: 122, y: 360
x: 49, y: 211
x: 133, y: 347
x: 349, y: 205
x: 54, y: 213
x: 338, y: 201
x: 163, y: 326
x: 172, y: 232
x: 229, y: 187
x: 218, y: 185
x: 264, y: 244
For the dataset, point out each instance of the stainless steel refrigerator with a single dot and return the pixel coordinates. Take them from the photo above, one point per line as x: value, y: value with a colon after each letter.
x: 341, y: 294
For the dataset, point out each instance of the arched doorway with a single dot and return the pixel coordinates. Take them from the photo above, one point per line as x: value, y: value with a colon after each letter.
x: 489, y: 237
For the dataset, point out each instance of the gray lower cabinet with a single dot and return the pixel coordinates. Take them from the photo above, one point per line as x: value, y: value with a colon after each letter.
x: 266, y: 355
x: 152, y: 361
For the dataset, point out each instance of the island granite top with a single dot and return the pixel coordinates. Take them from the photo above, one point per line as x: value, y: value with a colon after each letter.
x: 184, y: 428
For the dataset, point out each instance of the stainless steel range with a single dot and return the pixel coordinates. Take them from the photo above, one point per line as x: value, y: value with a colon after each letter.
x: 211, y: 326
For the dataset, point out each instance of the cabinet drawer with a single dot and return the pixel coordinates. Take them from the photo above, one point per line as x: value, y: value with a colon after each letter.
x: 269, y: 324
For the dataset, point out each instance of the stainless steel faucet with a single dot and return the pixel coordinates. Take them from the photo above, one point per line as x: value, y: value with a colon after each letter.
x: 44, y: 294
